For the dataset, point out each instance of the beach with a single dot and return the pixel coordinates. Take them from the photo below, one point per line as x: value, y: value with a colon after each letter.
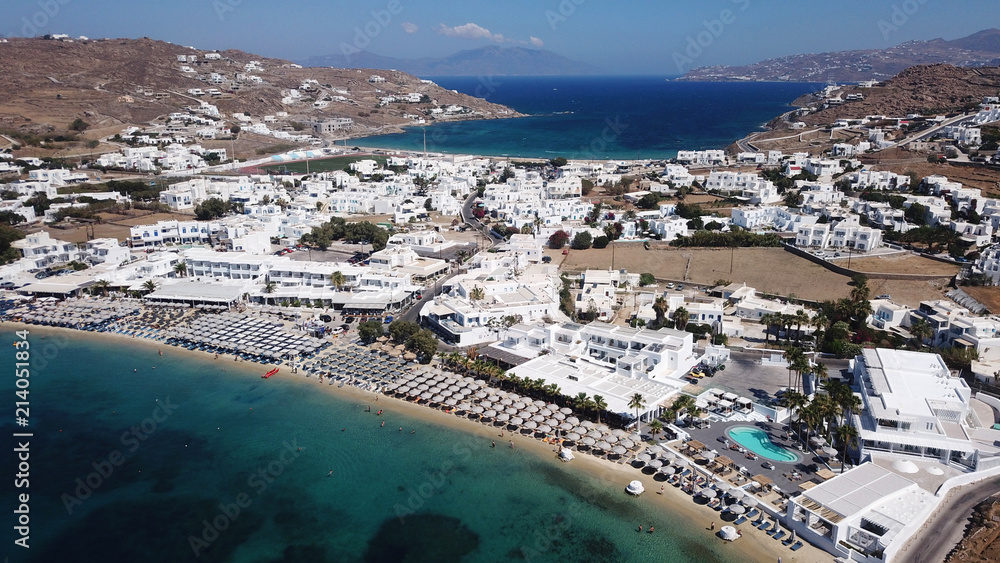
x: 584, y: 470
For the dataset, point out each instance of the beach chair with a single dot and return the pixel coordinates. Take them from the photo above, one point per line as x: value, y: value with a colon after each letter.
x: 788, y: 541
x: 779, y: 535
x: 797, y: 546
x: 764, y: 526
x: 740, y: 520
x: 753, y: 513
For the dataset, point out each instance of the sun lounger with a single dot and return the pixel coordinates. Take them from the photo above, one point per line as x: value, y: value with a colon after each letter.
x: 788, y: 541
x: 797, y: 546
x: 753, y: 513
x: 740, y: 520
x: 763, y: 527
x: 779, y: 535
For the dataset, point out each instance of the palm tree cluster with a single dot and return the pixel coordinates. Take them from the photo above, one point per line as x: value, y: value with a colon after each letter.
x: 828, y: 413
x: 786, y: 321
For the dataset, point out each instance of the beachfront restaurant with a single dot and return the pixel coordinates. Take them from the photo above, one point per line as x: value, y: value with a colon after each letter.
x: 193, y: 292
x: 860, y: 514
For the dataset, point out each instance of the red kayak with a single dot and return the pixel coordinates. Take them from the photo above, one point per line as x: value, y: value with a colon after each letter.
x: 270, y: 373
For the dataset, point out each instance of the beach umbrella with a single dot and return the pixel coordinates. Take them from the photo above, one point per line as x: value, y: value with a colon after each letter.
x: 511, y: 411
x: 626, y: 443
x: 588, y: 441
x: 830, y: 452
x: 667, y: 470
x: 573, y: 420
x: 595, y: 434
x: 750, y: 501
x: 538, y: 418
x: 655, y: 464
x: 481, y: 395
x: 503, y: 417
x: 451, y: 402
x: 506, y: 402
x: 602, y: 445
x: 531, y: 425
x: 709, y: 492
x: 611, y: 439
x: 581, y: 429
x: 559, y: 416
x: 737, y: 494
x: 573, y: 436
x: 589, y: 424
x: 518, y: 405
x: 539, y: 403
x: 602, y: 427
x: 645, y: 458
x: 489, y: 414
x: 531, y: 408
x: 565, y: 427
x: 545, y: 428
x: 517, y: 421
x: 618, y: 450
x: 566, y: 410
x: 478, y: 409
x: 545, y: 412
x: 709, y: 455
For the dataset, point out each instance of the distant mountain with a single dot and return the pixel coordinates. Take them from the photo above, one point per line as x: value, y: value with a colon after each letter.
x: 979, y: 49
x: 489, y: 60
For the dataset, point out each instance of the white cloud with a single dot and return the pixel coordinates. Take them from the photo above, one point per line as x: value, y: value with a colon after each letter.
x: 477, y: 32
x: 409, y: 27
x: 468, y: 31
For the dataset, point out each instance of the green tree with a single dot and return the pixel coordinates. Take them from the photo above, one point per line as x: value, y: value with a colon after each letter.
x: 847, y: 434
x: 921, y: 331
x: 681, y: 318
x: 660, y: 307
x: 638, y: 403
x: 655, y: 427
x: 369, y: 331
x: 337, y: 279
x: 401, y: 331
x: 582, y: 241
x: 600, y: 405
x: 180, y: 269
x: 424, y: 344
x: 150, y: 286
x: 601, y: 242
x: 79, y: 125
x: 558, y: 162
x: 646, y: 279
x: 477, y: 293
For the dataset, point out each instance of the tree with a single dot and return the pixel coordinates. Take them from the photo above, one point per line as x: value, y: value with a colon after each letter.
x: 847, y: 434
x: 401, y: 331
x: 78, y: 125
x: 369, y: 331
x: 648, y: 201
x: 638, y: 403
x: 681, y: 318
x: 768, y: 320
x: 424, y: 344
x: 150, y: 285
x: 337, y: 279
x: 600, y: 405
x: 660, y: 307
x: 794, y: 401
x: 180, y: 269
x: 212, y: 208
x: 646, y: 279
x: 582, y: 241
x: 601, y: 242
x: 558, y: 240
x: 103, y: 286
x: 655, y: 427
x: 235, y: 130
x: 269, y: 286
x: 477, y: 293
x: 558, y: 162
x: 921, y: 331
x: 801, y: 318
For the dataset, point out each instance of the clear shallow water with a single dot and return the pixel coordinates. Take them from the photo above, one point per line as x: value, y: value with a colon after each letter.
x: 432, y: 495
x: 756, y: 440
x: 590, y: 117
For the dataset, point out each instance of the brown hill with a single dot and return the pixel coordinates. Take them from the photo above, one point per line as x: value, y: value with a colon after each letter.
x: 927, y: 90
x: 46, y: 84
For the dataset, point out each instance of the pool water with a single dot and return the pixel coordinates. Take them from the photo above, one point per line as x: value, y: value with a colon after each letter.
x: 756, y: 440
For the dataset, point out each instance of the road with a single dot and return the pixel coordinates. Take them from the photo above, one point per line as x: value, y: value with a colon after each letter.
x: 928, y: 133
x: 946, y: 527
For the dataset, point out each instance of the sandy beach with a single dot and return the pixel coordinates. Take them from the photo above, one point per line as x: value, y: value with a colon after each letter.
x: 753, y: 546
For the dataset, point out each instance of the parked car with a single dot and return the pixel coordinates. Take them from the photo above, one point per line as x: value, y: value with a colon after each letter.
x: 337, y: 330
x: 388, y: 319
x: 885, y: 296
x: 349, y: 320
x: 325, y: 318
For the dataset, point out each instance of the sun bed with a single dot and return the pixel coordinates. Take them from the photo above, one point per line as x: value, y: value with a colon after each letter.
x: 797, y: 546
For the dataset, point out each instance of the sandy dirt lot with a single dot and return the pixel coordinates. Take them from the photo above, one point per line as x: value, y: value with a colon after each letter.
x: 900, y: 264
x: 988, y: 296
x: 768, y: 269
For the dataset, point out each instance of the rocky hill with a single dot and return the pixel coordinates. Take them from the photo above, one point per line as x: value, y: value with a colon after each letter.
x: 926, y: 90
x: 979, y: 49
x: 45, y: 84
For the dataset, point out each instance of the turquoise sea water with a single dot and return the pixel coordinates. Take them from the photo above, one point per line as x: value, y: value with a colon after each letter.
x: 169, y: 454
x: 616, y: 117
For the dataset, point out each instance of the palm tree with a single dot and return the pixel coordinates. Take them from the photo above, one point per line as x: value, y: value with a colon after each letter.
x: 681, y: 318
x: 150, y: 285
x: 637, y: 403
x: 801, y: 318
x: 860, y: 291
x: 581, y: 401
x: 600, y: 405
x: 794, y: 401
x: 102, y: 285
x: 847, y: 434
x: 655, y: 427
x: 768, y: 320
x: 180, y: 269
x: 477, y: 293
x: 921, y: 331
x: 337, y: 279
x: 660, y: 307
x: 269, y: 286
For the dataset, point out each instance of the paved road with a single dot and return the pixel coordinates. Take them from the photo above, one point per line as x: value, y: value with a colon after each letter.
x: 947, y: 526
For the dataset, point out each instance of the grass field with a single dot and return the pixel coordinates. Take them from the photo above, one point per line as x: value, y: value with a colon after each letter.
x: 770, y: 270
x: 323, y: 164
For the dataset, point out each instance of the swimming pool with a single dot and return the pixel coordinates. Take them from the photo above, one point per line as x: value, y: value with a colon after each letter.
x: 756, y: 440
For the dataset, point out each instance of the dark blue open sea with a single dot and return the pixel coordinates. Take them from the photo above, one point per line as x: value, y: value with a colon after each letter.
x: 146, y: 466
x: 614, y: 117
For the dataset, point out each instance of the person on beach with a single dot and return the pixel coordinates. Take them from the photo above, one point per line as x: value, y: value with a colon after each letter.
x: 640, y: 528
x: 494, y: 444
x: 512, y: 444
x: 713, y: 526
x: 383, y: 426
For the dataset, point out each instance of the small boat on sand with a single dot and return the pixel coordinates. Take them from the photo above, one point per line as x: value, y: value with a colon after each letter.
x: 269, y: 374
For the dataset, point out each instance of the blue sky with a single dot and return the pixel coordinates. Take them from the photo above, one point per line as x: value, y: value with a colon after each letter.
x: 622, y: 37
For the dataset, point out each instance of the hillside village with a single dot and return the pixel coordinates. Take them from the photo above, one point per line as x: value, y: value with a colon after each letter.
x: 469, y: 248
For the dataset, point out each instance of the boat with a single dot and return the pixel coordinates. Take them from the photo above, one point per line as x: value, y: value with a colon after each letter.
x: 269, y: 374
x: 635, y: 488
